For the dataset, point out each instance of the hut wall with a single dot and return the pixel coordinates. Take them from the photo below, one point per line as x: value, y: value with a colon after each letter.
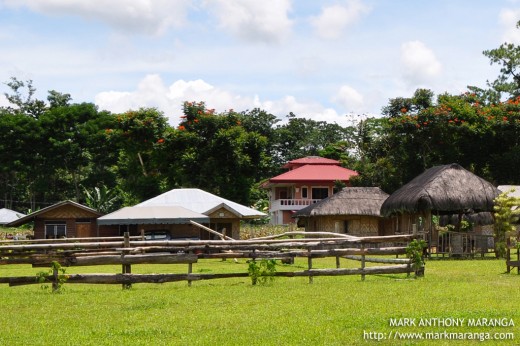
x: 404, y: 223
x: 39, y: 229
x: 176, y: 231
x: 109, y: 231
x: 358, y: 226
x: 224, y: 218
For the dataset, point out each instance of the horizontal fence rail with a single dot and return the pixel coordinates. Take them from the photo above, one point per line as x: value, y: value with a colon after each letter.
x: 127, y: 252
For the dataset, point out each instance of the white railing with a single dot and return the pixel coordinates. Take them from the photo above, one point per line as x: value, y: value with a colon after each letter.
x: 292, y: 204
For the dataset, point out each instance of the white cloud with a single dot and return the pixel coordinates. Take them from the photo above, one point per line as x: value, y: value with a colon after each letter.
x: 141, y: 16
x: 333, y: 20
x: 3, y: 101
x: 253, y: 20
x: 508, y: 18
x: 419, y: 63
x: 349, y: 98
x: 152, y: 92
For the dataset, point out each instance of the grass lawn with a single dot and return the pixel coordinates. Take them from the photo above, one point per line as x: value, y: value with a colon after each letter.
x: 290, y: 311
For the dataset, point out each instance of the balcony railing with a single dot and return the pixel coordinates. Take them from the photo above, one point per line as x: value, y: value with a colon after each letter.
x: 292, y: 204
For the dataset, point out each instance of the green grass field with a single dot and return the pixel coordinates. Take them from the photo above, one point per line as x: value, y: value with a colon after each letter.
x: 290, y: 311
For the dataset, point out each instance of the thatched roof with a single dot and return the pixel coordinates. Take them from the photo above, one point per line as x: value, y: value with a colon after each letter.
x: 444, y: 189
x: 349, y: 201
x: 482, y: 218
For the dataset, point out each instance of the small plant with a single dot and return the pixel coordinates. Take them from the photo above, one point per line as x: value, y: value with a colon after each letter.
x: 466, y: 226
x: 506, y: 215
x: 262, y: 272
x: 415, y: 252
x: 56, y: 275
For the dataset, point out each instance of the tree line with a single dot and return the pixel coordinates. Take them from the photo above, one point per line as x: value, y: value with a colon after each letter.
x: 55, y: 149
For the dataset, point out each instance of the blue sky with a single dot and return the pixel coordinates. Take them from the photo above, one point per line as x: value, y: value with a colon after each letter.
x: 325, y: 60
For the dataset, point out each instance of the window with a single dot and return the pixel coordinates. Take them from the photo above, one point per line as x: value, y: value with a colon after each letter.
x: 304, y: 193
x: 320, y: 192
x: 55, y: 229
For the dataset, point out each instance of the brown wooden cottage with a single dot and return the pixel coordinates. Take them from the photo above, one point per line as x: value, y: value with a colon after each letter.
x: 65, y: 219
x: 353, y: 210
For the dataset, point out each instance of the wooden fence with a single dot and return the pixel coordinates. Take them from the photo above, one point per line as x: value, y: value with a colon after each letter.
x: 127, y: 252
x: 460, y: 244
x: 513, y: 251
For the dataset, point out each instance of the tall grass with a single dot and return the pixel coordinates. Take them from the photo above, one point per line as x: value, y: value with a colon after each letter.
x: 290, y: 311
x: 248, y: 231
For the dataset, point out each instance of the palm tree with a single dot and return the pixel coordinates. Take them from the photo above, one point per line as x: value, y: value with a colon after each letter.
x: 102, y: 199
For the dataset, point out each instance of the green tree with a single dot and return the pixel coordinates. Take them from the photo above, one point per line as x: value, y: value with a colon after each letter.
x: 507, y: 213
x: 22, y: 98
x: 102, y: 199
x: 507, y: 56
x: 139, y: 135
x: 216, y: 152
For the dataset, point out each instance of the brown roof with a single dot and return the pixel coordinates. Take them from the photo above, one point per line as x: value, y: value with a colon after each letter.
x: 444, y: 189
x: 31, y: 217
x: 349, y: 201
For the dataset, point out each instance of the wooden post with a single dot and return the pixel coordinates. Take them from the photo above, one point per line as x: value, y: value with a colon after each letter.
x: 508, y: 252
x: 224, y: 237
x: 190, y: 270
x: 54, y: 279
x: 337, y: 262
x: 363, y: 261
x: 309, y: 262
x: 517, y: 252
x: 126, y: 268
x: 142, y: 234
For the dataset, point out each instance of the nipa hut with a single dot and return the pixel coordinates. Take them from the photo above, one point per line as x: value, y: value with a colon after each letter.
x: 440, y: 190
x: 353, y: 210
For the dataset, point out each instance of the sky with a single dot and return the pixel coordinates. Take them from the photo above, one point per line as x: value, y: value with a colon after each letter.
x: 330, y: 60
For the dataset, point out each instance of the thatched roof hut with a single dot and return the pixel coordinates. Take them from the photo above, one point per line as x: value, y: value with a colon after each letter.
x: 353, y: 210
x: 349, y: 201
x: 443, y: 189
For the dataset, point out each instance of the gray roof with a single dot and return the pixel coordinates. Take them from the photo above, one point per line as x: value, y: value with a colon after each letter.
x: 443, y: 189
x: 201, y: 202
x: 8, y: 215
x: 151, y: 215
x: 349, y: 201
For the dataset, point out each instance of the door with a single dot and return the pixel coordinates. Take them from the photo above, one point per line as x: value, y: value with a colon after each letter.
x: 83, y: 230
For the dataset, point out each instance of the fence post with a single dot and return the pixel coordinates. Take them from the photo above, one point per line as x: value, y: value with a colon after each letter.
x: 508, y: 251
x: 337, y: 262
x: 517, y: 253
x: 126, y: 268
x: 309, y: 262
x: 362, y: 261
x: 190, y: 270
x: 54, y: 278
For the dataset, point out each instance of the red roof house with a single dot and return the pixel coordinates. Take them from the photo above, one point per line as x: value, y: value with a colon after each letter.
x: 308, y: 180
